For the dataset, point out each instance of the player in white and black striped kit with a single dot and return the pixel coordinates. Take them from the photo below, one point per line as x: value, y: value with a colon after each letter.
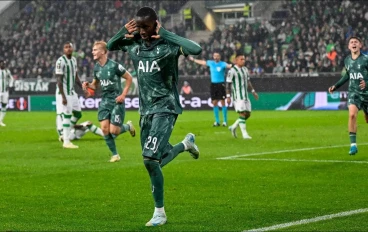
x: 6, y: 81
x: 68, y: 108
x: 237, y: 85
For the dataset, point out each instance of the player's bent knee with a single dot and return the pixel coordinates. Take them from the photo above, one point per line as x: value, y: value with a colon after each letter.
x: 352, y: 116
x: 105, y: 130
x: 115, y: 130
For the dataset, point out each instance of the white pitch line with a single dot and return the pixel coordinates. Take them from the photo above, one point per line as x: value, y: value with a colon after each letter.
x: 286, y: 151
x: 310, y: 220
x: 305, y: 160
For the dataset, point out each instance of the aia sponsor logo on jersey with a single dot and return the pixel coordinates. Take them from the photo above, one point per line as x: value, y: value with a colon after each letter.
x: 148, y: 66
x: 105, y: 83
x: 356, y: 76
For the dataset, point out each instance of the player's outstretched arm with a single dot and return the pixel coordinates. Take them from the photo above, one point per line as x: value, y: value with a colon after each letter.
x: 120, y: 40
x: 197, y: 61
x: 188, y: 47
x: 228, y: 66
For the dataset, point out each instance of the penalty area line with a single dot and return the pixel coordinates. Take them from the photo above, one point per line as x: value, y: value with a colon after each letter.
x: 310, y: 220
x: 285, y: 151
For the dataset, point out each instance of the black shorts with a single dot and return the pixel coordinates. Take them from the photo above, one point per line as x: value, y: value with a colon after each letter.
x: 218, y: 91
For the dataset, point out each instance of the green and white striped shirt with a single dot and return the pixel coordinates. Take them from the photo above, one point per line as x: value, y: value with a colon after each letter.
x: 6, y: 80
x: 239, y: 78
x: 67, y: 68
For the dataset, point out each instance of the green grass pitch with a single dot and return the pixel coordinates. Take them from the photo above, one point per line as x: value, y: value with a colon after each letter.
x: 296, y: 167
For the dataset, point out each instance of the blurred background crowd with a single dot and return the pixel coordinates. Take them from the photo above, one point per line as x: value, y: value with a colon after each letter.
x: 311, y: 39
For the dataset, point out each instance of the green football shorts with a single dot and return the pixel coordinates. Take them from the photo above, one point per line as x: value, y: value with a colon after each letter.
x: 155, y: 134
x: 113, y: 112
x: 357, y: 100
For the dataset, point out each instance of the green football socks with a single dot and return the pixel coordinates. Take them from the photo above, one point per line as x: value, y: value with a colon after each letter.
x: 110, y: 142
x: 157, y: 181
x: 124, y: 128
x: 352, y: 136
x: 174, y: 151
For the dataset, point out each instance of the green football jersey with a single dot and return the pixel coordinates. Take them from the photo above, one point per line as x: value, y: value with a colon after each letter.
x: 109, y: 77
x: 157, y: 68
x: 157, y: 75
x: 355, y: 71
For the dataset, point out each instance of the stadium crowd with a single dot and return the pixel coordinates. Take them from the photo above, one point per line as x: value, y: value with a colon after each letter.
x: 33, y: 39
x: 311, y: 39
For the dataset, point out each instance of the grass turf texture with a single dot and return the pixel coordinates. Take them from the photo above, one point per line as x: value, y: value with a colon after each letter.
x: 46, y: 188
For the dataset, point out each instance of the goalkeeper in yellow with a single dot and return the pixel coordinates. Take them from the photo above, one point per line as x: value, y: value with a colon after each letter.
x: 356, y: 72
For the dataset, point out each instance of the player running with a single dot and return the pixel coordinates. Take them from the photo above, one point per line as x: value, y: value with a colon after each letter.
x: 356, y: 72
x: 111, y: 111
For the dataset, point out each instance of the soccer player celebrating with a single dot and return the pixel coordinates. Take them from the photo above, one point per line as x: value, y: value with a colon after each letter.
x: 6, y: 81
x: 68, y: 108
x: 356, y: 71
x: 111, y: 111
x: 217, y: 72
x: 155, y: 53
x: 238, y: 83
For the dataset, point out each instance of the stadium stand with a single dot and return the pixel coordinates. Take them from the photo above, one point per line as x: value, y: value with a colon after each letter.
x: 35, y: 35
x: 310, y: 38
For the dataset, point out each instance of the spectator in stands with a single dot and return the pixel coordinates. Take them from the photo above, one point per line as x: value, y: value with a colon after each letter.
x: 332, y: 56
x: 278, y: 68
x: 257, y: 70
x: 186, y: 89
x: 312, y: 26
x: 269, y: 65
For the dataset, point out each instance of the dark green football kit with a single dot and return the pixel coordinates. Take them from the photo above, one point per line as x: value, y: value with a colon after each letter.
x: 355, y: 71
x: 109, y: 77
x: 156, y: 66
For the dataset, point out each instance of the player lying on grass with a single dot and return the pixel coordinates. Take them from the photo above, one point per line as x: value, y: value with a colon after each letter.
x: 79, y: 130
